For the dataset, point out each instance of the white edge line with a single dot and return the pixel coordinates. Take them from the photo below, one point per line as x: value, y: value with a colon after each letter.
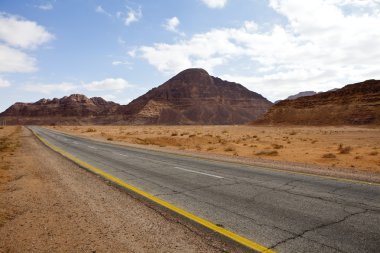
x: 194, y: 171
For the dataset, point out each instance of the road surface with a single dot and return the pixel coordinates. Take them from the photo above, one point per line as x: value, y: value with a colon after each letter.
x: 283, y: 211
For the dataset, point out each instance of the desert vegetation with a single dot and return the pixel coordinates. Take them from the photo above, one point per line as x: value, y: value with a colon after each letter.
x: 344, y: 147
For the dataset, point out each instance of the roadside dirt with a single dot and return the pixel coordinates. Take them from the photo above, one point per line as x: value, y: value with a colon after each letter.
x: 346, y: 151
x: 48, y: 204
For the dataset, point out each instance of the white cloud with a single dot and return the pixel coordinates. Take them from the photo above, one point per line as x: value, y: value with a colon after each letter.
x: 108, y: 84
x: 215, y: 3
x: 4, y: 83
x: 16, y: 61
x: 172, y: 24
x: 323, y: 44
x: 46, y: 6
x: 49, y: 88
x: 18, y: 32
x: 99, y: 9
x: 132, y: 16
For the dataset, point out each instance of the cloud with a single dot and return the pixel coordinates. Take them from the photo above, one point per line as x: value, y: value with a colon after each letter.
x: 4, y: 83
x: 131, y: 16
x: 307, y: 50
x: 99, y: 9
x: 215, y: 3
x: 107, y: 84
x: 49, y: 88
x: 18, y: 32
x: 15, y: 61
x: 46, y: 6
x: 172, y: 24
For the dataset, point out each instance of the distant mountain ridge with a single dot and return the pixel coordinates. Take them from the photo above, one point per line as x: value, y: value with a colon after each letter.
x: 354, y: 104
x: 191, y: 97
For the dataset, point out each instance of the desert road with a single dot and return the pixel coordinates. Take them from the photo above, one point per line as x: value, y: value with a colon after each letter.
x: 282, y: 211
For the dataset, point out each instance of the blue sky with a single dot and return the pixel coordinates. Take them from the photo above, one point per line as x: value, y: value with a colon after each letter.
x: 120, y: 49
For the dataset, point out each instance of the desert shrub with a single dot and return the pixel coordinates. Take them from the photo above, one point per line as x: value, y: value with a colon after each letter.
x: 344, y: 150
x: 1, y: 127
x: 329, y: 155
x: 90, y: 130
x: 224, y: 131
x: 374, y: 153
x: 109, y: 139
x: 4, y: 144
x: 277, y: 146
x: 192, y: 135
x: 267, y: 152
x: 313, y: 141
x: 210, y: 148
x: 229, y: 148
x: 293, y: 133
x: 184, y: 133
x: 198, y: 147
x: 174, y: 134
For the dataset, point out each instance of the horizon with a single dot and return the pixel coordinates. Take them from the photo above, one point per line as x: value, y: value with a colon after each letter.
x: 120, y: 50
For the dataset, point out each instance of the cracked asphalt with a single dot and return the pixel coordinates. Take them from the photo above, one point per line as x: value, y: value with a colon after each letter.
x: 284, y: 211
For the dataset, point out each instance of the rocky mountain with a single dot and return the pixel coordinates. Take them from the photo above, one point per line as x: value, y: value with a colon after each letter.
x: 354, y: 104
x: 298, y: 95
x: 71, y: 109
x: 195, y: 97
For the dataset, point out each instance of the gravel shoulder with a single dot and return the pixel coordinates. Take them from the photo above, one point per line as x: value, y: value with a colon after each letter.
x: 49, y: 204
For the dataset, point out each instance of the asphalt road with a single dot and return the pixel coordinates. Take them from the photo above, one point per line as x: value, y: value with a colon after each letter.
x: 285, y: 211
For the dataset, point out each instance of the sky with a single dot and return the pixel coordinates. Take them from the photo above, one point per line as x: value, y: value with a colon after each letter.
x: 120, y: 49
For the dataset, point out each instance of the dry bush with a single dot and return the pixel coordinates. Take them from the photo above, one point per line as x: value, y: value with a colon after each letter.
x: 192, y: 135
x: 4, y: 144
x: 90, y: 130
x: 1, y: 127
x: 329, y: 155
x: 109, y: 139
x: 224, y: 131
x: 184, y: 133
x: 229, y: 148
x: 293, y: 133
x: 374, y: 153
x: 267, y: 152
x: 277, y: 146
x: 344, y: 150
x: 210, y: 148
x: 174, y: 134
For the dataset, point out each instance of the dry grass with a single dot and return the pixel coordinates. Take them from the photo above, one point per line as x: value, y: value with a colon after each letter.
x: 294, y: 144
x: 267, y: 153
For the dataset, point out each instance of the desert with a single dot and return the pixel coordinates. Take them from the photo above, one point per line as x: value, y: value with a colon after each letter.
x: 333, y: 148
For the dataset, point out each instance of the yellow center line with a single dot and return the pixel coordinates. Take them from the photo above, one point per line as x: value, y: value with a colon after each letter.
x: 225, y: 232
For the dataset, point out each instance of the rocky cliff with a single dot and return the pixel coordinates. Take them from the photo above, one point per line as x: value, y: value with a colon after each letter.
x: 71, y: 109
x: 354, y: 104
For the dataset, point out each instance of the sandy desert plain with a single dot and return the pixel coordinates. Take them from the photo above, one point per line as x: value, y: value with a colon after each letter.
x: 351, y: 149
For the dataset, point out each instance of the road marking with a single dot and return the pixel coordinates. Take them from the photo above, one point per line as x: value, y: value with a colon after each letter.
x: 227, y: 233
x: 92, y: 147
x: 198, y: 172
x: 120, y: 154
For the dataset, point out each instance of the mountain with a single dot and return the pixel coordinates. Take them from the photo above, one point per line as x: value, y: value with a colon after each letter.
x: 298, y: 95
x: 191, y: 97
x: 71, y: 109
x: 195, y: 97
x: 354, y: 104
